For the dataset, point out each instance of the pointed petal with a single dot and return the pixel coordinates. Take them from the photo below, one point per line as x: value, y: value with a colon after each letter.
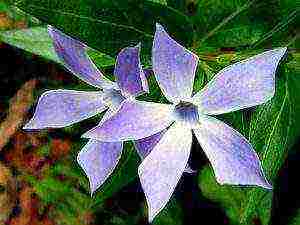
x: 247, y: 83
x: 134, y: 120
x: 232, y: 157
x: 73, y: 54
x: 145, y: 145
x: 98, y: 160
x: 162, y: 168
x: 173, y: 65
x: 60, y: 108
x: 129, y: 73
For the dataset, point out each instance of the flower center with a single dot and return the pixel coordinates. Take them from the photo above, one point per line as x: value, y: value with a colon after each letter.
x: 186, y: 112
x: 113, y: 98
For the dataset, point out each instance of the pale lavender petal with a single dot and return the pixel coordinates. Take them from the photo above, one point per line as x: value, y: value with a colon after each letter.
x: 134, y: 120
x: 129, y: 73
x: 145, y: 145
x: 161, y: 170
x: 232, y: 157
x: 173, y: 65
x: 73, y: 54
x: 60, y: 108
x: 247, y: 83
x: 98, y: 160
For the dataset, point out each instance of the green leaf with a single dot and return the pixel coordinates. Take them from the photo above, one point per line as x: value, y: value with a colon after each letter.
x: 296, y: 219
x: 50, y: 190
x: 236, y: 36
x: 274, y: 127
x: 172, y: 214
x: 110, y: 25
x: 34, y: 40
x: 273, y: 130
x: 230, y: 198
x: 242, y: 24
x: 163, y: 2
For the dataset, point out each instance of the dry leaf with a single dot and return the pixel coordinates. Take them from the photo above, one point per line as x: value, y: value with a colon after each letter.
x: 18, y: 108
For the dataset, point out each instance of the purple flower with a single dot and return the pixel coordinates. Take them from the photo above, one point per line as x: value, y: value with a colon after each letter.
x: 60, y: 108
x: 245, y: 84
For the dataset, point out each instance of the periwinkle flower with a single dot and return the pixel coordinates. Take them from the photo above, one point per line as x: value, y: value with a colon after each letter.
x: 244, y: 84
x: 60, y: 108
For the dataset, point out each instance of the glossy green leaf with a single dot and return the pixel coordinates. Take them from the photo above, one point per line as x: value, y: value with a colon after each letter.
x: 273, y: 130
x: 110, y: 25
x: 274, y: 127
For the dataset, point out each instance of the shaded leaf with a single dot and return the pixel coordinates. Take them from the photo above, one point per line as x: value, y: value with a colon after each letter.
x: 125, y: 172
x: 230, y: 198
x: 172, y: 214
x: 296, y: 219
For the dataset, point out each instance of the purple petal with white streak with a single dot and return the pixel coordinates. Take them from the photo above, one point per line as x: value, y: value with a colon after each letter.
x: 129, y: 73
x: 98, y: 160
x: 134, y: 120
x: 161, y: 170
x: 173, y: 65
x: 60, y: 108
x: 73, y: 54
x: 244, y: 84
x: 232, y: 157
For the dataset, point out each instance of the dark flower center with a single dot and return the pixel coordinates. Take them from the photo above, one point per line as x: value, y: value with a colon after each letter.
x: 113, y: 98
x: 186, y: 112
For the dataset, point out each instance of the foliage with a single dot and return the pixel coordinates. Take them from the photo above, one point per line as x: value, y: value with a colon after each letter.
x: 220, y: 32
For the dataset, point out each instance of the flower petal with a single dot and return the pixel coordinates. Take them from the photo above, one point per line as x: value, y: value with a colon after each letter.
x: 60, y: 108
x: 161, y: 170
x: 232, y: 157
x: 244, y: 84
x: 173, y: 65
x: 129, y: 73
x: 134, y: 120
x: 98, y: 160
x: 145, y: 145
x: 73, y: 54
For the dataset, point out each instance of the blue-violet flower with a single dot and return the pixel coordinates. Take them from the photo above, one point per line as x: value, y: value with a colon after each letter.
x: 244, y: 84
x: 60, y: 108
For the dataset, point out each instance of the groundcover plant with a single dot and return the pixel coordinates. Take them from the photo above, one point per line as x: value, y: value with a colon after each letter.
x: 195, y: 103
x: 60, y: 108
x: 244, y: 84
